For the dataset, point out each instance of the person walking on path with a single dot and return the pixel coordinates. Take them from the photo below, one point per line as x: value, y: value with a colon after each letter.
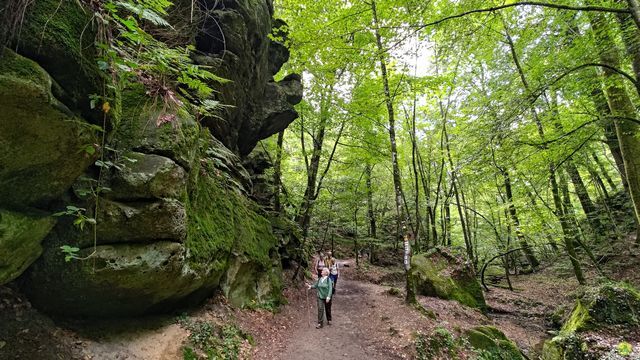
x: 324, y: 287
x: 334, y: 272
x: 319, y: 264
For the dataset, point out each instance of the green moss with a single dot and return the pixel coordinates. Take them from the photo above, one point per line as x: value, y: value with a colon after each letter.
x: 579, y: 319
x: 438, y: 275
x: 60, y: 35
x: 135, y: 116
x: 609, y: 304
x: 40, y: 142
x: 491, y: 343
x: 20, y: 237
x: 16, y: 66
x: 600, y: 307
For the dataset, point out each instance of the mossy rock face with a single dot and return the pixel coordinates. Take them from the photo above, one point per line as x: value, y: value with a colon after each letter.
x: 20, y: 237
x: 147, y: 176
x: 492, y: 343
x: 138, y: 130
x: 60, y: 36
x: 609, y: 304
x: 41, y: 142
x: 154, y: 254
x: 117, y: 280
x: 602, y: 307
x: 440, y: 273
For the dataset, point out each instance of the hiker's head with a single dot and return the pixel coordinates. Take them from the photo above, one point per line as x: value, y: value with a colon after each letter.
x: 325, y: 272
x: 321, y: 254
x: 329, y: 253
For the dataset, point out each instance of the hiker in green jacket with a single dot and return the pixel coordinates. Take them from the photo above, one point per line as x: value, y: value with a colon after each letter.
x: 324, y: 287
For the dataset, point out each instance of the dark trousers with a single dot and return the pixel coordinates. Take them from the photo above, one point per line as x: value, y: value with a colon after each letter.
x: 334, y: 278
x: 324, y: 307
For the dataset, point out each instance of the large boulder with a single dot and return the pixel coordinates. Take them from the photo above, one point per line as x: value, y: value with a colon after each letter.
x: 480, y: 342
x: 443, y: 274
x: 20, y: 237
x: 173, y: 221
x: 165, y: 246
x: 41, y: 141
x: 605, y: 315
x: 492, y: 343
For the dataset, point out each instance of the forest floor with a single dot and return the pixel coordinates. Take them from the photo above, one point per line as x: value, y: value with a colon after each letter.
x: 370, y: 320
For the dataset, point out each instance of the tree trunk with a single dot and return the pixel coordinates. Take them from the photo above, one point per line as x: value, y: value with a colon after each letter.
x: 585, y: 200
x: 403, y: 218
x: 597, y: 180
x: 604, y: 173
x: 277, y: 174
x: 528, y: 252
x: 634, y: 6
x: 622, y: 109
x: 461, y: 214
x: 370, y: 213
x: 571, y: 239
x: 600, y: 102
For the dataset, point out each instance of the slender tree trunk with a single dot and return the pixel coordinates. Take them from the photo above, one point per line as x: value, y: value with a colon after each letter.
x: 604, y: 173
x: 397, y: 183
x: 414, y: 150
x: 461, y: 214
x: 370, y: 213
x: 585, y: 200
x: 525, y: 84
x: 277, y: 175
x: 597, y: 180
x: 447, y: 217
x: 569, y: 241
x: 430, y: 225
x: 622, y: 109
x: 303, y: 217
x: 600, y: 101
x: 528, y: 252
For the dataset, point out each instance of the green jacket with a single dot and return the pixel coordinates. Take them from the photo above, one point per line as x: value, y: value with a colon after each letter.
x: 325, y: 288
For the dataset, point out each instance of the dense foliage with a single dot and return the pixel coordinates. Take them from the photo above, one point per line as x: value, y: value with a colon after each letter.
x: 512, y: 126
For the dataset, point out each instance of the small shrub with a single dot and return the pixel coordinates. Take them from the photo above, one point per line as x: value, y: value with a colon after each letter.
x: 208, y: 340
x: 394, y: 292
x: 624, y: 348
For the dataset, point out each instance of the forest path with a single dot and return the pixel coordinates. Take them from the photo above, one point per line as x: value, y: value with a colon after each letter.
x: 368, y: 323
x: 345, y: 336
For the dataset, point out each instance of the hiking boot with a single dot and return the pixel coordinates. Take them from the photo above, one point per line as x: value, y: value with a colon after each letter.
x: 318, y: 326
x: 328, y: 322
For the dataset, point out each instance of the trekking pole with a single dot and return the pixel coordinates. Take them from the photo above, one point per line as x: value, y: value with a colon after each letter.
x: 308, y: 311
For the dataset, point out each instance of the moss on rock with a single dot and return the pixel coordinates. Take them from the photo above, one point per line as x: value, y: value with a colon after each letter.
x: 117, y: 280
x: 20, y: 237
x: 60, y: 36
x: 442, y: 274
x: 492, y: 343
x: 136, y: 128
x: 226, y: 232
x: 600, y: 307
x: 40, y: 143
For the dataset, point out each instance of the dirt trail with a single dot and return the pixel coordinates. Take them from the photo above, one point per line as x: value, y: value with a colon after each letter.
x: 344, y: 337
x: 368, y: 323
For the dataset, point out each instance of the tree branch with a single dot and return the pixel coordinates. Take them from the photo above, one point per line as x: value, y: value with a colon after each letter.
x: 526, y: 3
